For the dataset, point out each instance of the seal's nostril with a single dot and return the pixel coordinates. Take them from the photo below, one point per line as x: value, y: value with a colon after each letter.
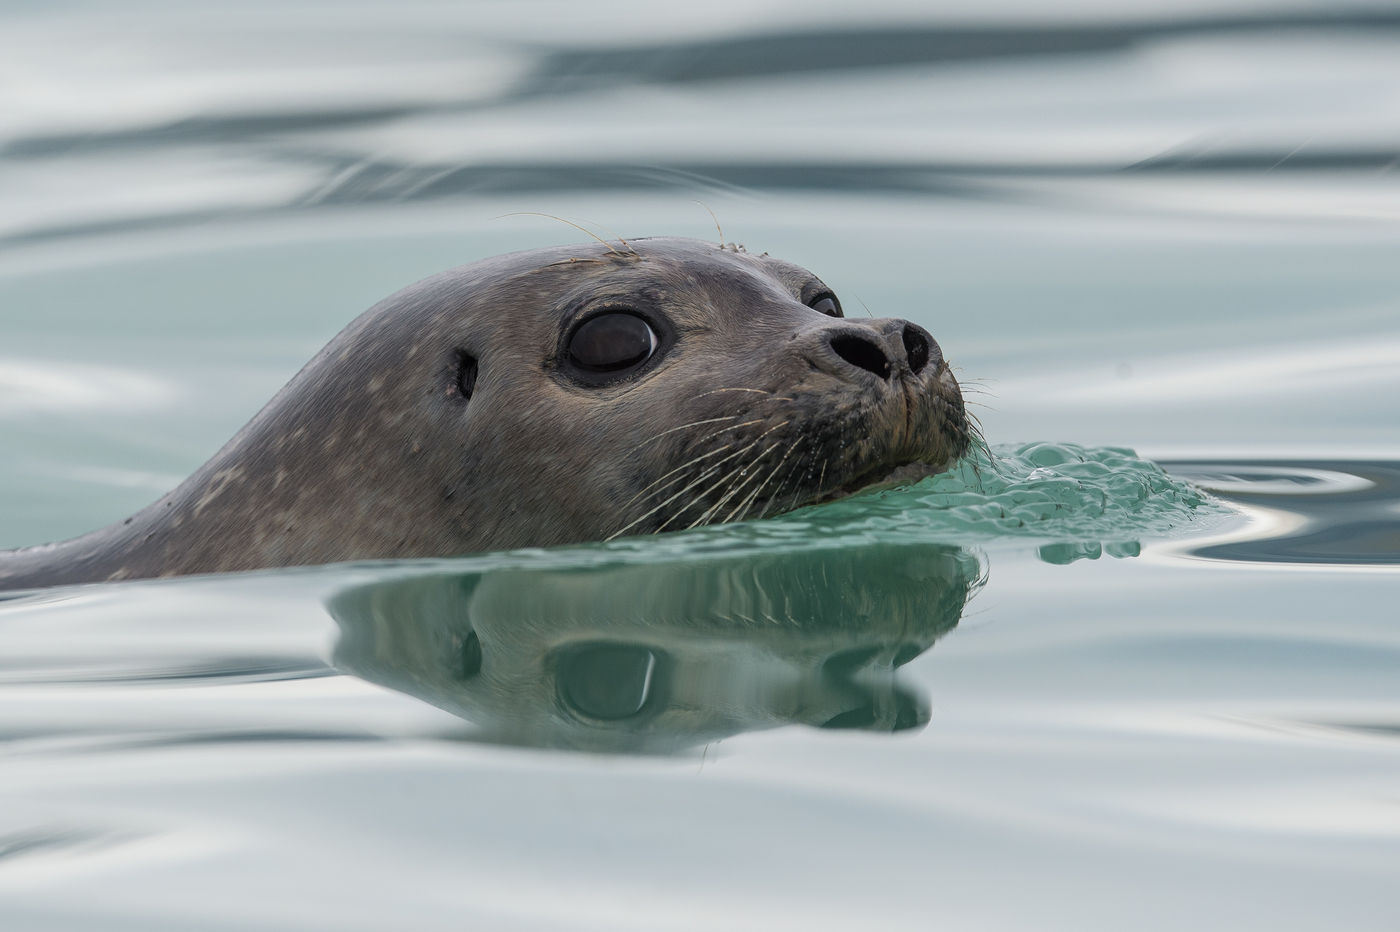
x: 916, y: 347
x: 861, y: 353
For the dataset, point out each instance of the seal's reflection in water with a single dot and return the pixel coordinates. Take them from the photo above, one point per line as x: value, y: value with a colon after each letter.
x: 657, y: 658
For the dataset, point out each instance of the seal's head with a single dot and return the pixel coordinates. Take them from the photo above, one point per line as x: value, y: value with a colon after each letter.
x: 663, y: 384
x: 547, y: 397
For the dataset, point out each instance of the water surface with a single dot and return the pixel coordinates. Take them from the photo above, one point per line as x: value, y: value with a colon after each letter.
x: 1068, y: 688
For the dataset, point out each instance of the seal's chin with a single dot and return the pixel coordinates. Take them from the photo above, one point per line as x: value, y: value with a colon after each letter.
x: 885, y: 477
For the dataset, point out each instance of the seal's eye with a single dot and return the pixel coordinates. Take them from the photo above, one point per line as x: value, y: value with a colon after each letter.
x: 826, y: 303
x: 612, y: 342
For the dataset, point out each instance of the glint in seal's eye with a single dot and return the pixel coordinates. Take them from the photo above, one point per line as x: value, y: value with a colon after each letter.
x: 826, y: 303
x: 612, y: 342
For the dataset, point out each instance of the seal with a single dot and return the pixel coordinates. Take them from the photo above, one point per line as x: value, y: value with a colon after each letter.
x: 547, y: 397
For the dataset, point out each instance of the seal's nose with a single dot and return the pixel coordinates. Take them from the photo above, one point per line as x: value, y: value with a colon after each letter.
x: 920, y: 348
x: 875, y: 352
x: 861, y: 352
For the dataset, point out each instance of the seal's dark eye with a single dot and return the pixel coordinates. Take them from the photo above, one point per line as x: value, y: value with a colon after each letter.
x: 612, y: 342
x: 827, y: 304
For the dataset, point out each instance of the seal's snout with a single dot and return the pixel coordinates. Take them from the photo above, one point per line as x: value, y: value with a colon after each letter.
x: 861, y: 352
x: 897, y: 346
x: 920, y: 349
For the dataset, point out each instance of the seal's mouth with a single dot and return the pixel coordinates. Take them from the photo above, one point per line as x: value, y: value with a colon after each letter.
x: 935, y: 435
x: 793, y: 447
x: 923, y: 436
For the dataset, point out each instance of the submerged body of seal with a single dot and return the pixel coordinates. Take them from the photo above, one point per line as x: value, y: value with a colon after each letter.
x: 548, y: 397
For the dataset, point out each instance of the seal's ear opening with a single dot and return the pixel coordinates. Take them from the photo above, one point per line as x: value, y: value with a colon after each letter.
x: 466, y: 374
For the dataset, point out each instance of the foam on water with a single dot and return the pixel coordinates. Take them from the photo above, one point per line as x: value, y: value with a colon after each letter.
x: 1069, y: 500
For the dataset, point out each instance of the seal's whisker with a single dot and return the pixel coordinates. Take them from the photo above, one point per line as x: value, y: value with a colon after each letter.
x: 706, y: 474
x: 672, y: 430
x: 769, y: 478
x: 630, y: 249
x: 679, y: 469
x: 642, y: 517
x: 976, y: 386
x: 778, y: 493
x: 720, y: 504
x: 715, y: 218
x: 581, y: 229
x: 756, y: 391
x: 742, y: 508
x: 751, y: 467
x: 974, y: 425
x: 695, y: 459
x: 716, y: 391
x: 977, y: 441
x: 573, y: 261
x: 744, y: 469
x: 729, y: 477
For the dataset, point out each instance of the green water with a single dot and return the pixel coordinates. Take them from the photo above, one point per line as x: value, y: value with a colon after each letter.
x: 1064, y: 493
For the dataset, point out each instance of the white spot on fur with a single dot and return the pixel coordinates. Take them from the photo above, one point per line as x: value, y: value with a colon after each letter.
x: 217, y: 483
